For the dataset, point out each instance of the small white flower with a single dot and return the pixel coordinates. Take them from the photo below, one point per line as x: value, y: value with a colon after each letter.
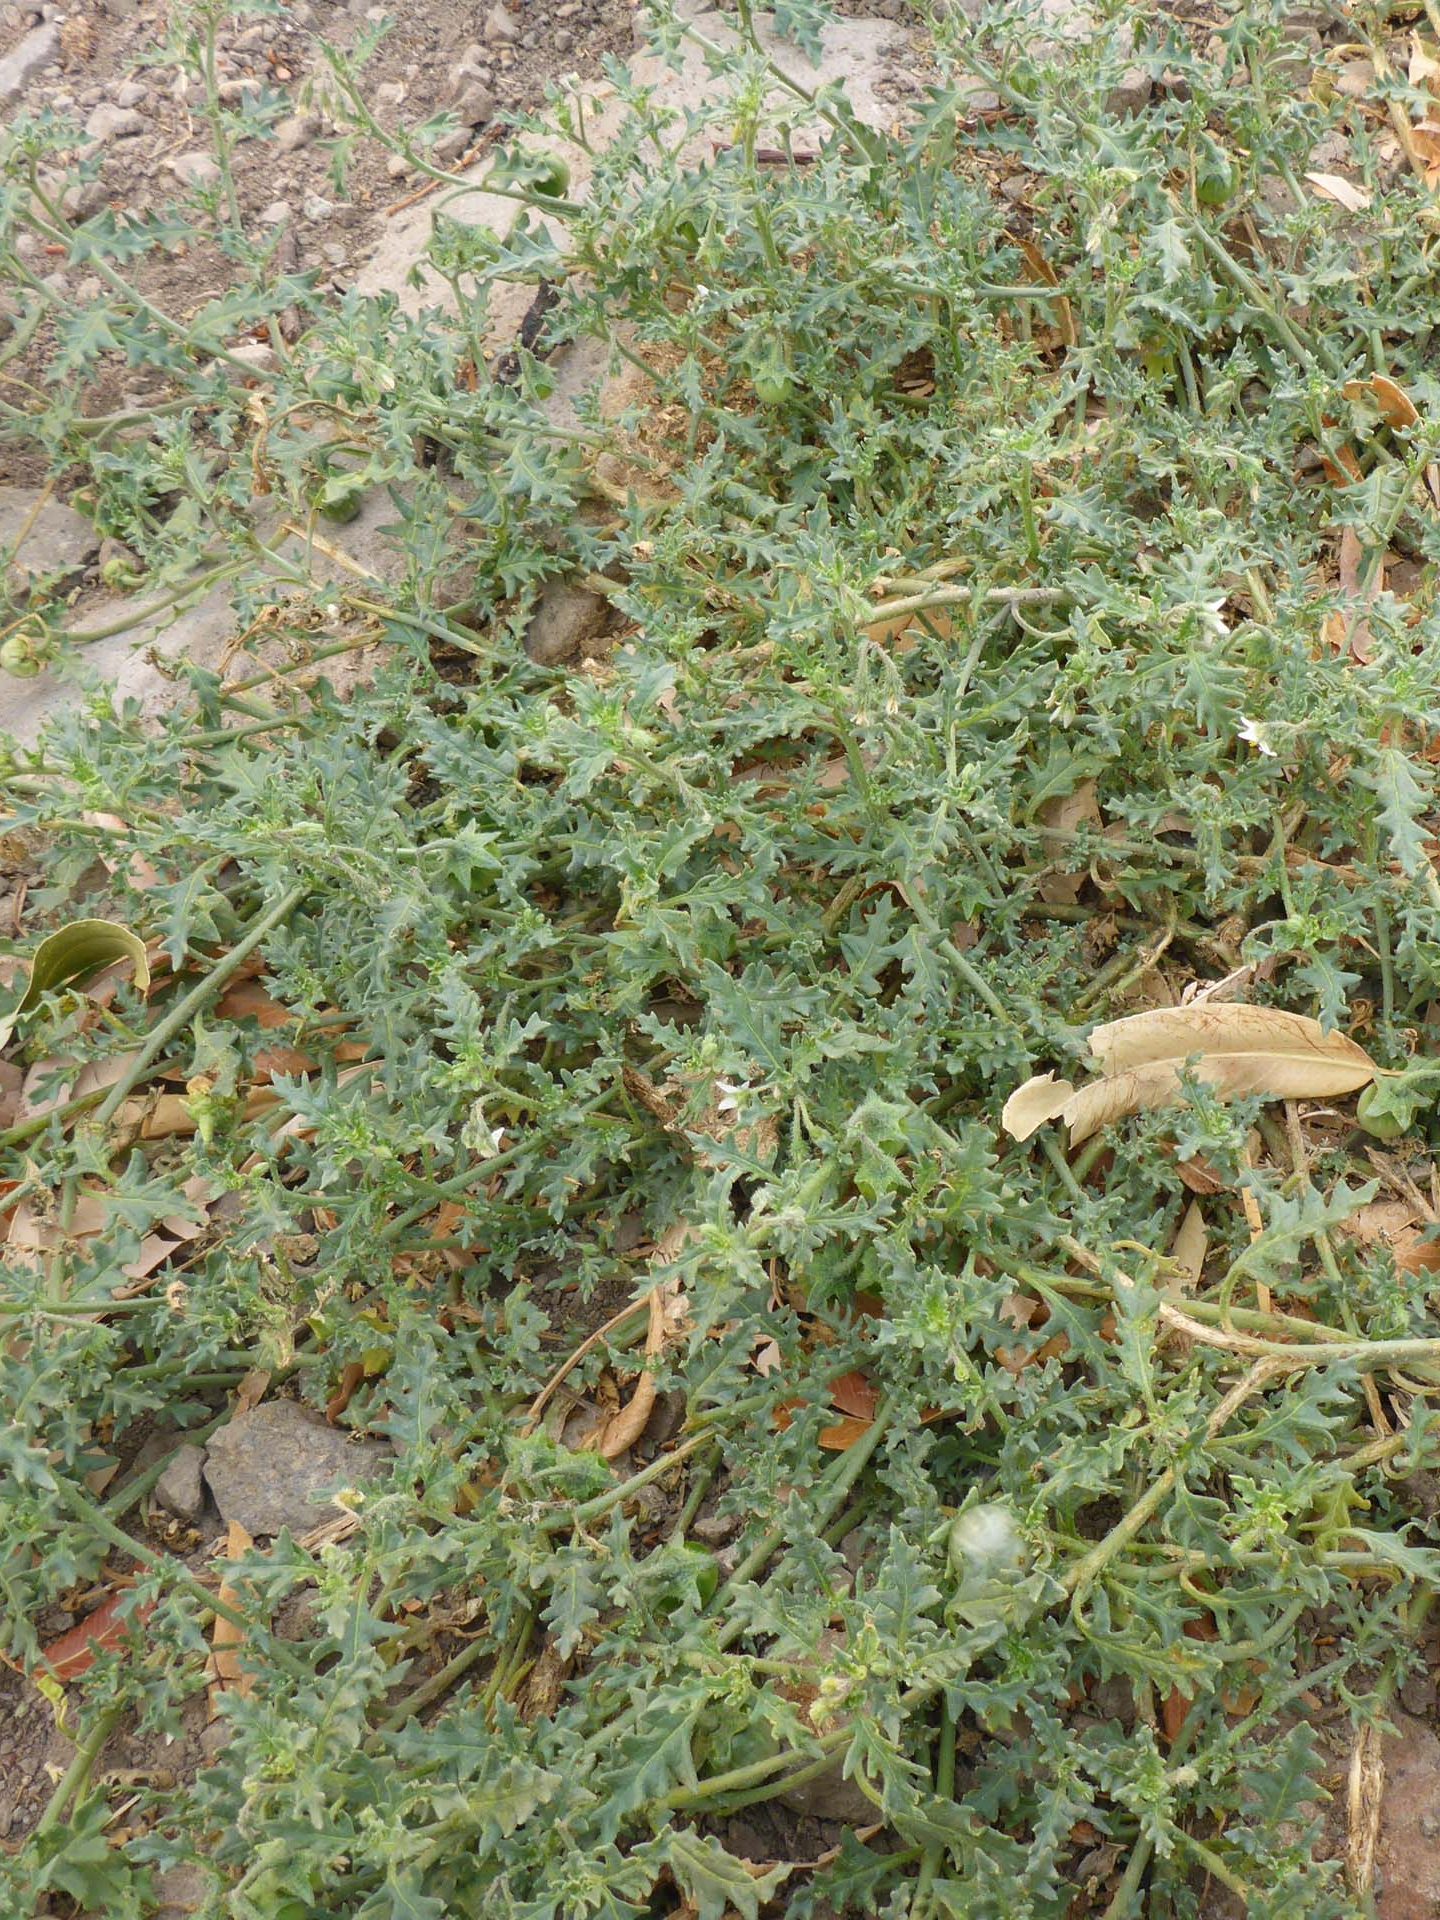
x: 1212, y: 620
x: 729, y: 1097
x: 1256, y: 734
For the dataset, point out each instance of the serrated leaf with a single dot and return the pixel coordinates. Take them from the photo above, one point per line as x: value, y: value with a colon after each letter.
x: 575, y: 1598
x: 714, y: 1881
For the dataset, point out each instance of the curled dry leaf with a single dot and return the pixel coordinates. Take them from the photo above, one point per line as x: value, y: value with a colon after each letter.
x: 1387, y: 396
x: 1236, y: 1050
x: 1042, y: 1098
x: 74, y: 1652
x: 226, y: 1637
x: 76, y: 953
x: 668, y: 1312
x: 1334, y: 186
x: 1063, y: 816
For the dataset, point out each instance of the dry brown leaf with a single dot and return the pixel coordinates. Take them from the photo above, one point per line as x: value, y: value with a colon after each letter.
x: 1424, y: 68
x: 1232, y: 1076
x: 1232, y: 987
x: 1389, y: 399
x: 1063, y: 815
x: 94, y: 1077
x: 251, y: 1391
x: 1041, y: 270
x: 143, y: 876
x: 1334, y: 186
x: 1226, y: 1027
x: 1188, y: 1250
x: 33, y: 1231
x: 12, y: 1080
x: 248, y: 1000
x: 226, y: 1637
x: 1235, y: 1049
x: 1396, y: 1225
x: 1040, y: 1099
x: 668, y: 1313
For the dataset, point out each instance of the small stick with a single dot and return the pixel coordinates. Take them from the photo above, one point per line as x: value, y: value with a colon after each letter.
x: 467, y: 159
x: 587, y: 1345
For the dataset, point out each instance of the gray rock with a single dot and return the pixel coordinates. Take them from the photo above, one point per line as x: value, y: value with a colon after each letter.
x: 390, y: 93
x: 180, y: 1489
x: 195, y: 169
x: 268, y: 1468
x: 276, y: 214
x: 131, y: 93
x: 256, y: 353
x: 115, y: 553
x: 565, y: 619
x: 1133, y: 92
x: 82, y: 198
x: 295, y: 131
x: 450, y: 146
x: 59, y: 543
x: 34, y: 53
x: 468, y: 67
x: 316, y: 207
x: 501, y: 27
x: 475, y: 107
x: 714, y: 1529
x: 114, y: 123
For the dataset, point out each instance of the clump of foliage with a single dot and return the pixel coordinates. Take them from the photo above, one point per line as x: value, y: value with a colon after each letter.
x: 709, y: 965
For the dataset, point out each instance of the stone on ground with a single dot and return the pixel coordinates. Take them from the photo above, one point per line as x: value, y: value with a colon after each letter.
x: 60, y: 543
x: 180, y: 1490
x: 271, y: 1468
x: 34, y: 53
x: 565, y: 619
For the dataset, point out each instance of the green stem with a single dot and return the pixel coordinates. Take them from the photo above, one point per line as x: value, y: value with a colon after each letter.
x: 73, y: 1781
x: 184, y: 1011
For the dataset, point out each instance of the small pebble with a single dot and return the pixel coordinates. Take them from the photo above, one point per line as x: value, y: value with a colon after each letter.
x: 114, y: 123
x: 195, y: 169
x: 295, y: 131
